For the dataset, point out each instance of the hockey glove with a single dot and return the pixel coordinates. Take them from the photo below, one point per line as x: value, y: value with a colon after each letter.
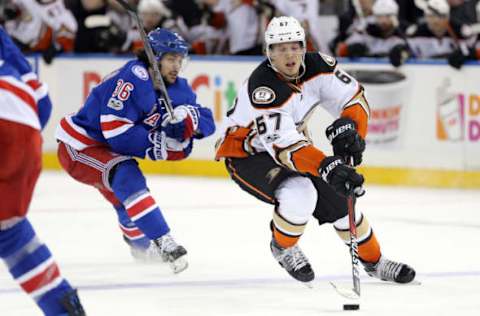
x: 345, y: 140
x: 166, y: 148
x: 456, y: 59
x: 398, y: 55
x: 344, y: 179
x: 184, y: 123
x: 357, y: 50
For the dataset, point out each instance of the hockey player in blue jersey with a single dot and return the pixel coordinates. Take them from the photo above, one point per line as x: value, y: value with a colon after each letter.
x: 122, y: 119
x: 24, y: 110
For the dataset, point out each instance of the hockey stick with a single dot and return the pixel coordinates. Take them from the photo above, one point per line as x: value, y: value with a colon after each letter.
x: 157, y: 77
x: 353, y: 293
x: 359, y: 11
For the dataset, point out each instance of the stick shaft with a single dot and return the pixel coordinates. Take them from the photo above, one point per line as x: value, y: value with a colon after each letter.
x: 157, y: 77
x: 353, y: 243
x: 353, y: 236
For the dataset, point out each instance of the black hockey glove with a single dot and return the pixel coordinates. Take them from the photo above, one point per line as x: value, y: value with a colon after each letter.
x: 343, y: 178
x: 49, y: 53
x: 345, y: 140
x: 357, y: 50
x: 456, y: 59
x: 398, y: 54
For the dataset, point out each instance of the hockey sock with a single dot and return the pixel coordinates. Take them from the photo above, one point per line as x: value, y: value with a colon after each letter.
x: 132, y: 235
x: 369, y: 249
x: 31, y: 264
x: 368, y: 246
x: 130, y: 187
x: 286, y: 233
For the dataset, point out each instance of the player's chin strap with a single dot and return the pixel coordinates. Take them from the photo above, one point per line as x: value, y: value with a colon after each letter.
x: 304, y: 69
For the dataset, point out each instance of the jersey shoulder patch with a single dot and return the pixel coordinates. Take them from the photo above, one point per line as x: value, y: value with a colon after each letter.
x: 140, y: 72
x: 318, y: 63
x: 265, y: 89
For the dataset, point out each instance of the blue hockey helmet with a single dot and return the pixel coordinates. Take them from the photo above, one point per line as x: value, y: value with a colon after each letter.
x: 165, y: 41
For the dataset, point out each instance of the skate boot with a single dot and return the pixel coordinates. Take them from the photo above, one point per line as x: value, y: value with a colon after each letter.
x: 388, y: 270
x: 294, y: 261
x: 169, y: 251
x: 140, y: 252
x: 71, y: 303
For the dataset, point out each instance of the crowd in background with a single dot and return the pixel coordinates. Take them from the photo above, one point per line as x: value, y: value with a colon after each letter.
x: 396, y: 29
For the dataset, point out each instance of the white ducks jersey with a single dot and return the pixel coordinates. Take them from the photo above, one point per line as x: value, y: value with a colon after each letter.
x: 270, y: 114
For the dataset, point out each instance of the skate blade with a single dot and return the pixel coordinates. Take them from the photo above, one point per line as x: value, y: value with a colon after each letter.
x: 179, y: 265
x: 345, y: 292
x: 308, y: 284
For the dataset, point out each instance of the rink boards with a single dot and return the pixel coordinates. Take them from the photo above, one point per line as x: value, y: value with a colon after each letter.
x: 424, y: 126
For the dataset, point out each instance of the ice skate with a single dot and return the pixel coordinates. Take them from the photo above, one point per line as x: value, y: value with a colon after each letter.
x: 388, y: 270
x: 169, y: 251
x: 294, y: 261
x: 71, y: 303
x: 164, y: 249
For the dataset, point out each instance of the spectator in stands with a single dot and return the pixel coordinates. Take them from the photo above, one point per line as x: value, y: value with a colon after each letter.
x: 382, y: 36
x: 41, y: 26
x: 153, y: 14
x: 307, y: 13
x: 350, y: 21
x: 97, y: 30
x: 242, y: 25
x: 436, y: 37
x: 463, y: 12
x: 205, y: 29
x: 408, y: 12
x: 462, y: 15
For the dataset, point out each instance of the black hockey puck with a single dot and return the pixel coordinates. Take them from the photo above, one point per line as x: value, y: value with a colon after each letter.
x: 351, y: 307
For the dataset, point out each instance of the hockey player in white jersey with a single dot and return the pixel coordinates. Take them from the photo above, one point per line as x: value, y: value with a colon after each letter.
x: 268, y: 152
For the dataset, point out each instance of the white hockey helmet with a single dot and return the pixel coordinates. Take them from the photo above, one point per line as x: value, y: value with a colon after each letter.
x: 284, y: 29
x: 152, y: 6
x: 385, y: 7
x: 437, y: 7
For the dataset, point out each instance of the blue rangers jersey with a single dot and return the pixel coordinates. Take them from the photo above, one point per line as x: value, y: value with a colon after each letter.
x: 121, y: 111
x: 23, y: 98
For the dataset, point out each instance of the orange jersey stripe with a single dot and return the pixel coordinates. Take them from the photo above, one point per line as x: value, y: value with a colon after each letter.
x: 358, y: 114
x: 233, y: 144
x: 235, y: 174
x: 307, y: 159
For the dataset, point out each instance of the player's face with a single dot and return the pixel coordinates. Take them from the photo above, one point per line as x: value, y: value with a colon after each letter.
x: 366, y: 6
x: 150, y: 19
x: 437, y: 24
x: 287, y: 57
x: 385, y: 22
x: 170, y: 66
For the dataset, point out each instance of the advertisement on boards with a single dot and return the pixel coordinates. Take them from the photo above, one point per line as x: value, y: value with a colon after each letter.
x: 418, y: 113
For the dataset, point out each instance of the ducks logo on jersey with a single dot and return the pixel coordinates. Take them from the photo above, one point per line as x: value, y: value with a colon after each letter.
x: 263, y: 95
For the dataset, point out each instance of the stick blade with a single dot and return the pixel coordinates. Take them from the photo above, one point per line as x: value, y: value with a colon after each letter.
x: 346, y: 292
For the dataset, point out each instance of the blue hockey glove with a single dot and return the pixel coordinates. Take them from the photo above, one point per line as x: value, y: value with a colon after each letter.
x: 166, y: 148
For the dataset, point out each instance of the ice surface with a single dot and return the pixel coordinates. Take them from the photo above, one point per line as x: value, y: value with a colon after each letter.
x: 231, y: 269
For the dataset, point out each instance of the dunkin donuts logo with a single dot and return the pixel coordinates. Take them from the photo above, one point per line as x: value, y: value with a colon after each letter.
x: 458, y: 117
